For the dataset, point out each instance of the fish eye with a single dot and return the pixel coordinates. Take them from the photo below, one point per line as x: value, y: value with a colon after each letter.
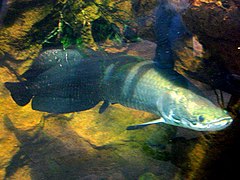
x: 201, y: 118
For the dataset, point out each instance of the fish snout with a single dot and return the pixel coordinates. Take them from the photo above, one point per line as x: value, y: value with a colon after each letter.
x: 215, y: 125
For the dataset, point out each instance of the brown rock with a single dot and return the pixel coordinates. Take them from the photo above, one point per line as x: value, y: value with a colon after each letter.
x: 217, y: 26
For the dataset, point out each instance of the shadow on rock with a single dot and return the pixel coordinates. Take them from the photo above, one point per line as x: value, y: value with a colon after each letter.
x: 65, y: 156
x: 52, y: 150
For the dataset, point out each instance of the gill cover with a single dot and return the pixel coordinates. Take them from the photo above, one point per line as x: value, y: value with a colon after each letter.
x: 169, y: 109
x: 192, y: 111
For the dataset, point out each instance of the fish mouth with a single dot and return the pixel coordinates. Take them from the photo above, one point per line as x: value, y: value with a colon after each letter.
x: 215, y: 125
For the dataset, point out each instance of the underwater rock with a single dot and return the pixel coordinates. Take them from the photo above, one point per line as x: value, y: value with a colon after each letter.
x: 144, y: 11
x: 216, y: 23
x: 19, y: 20
x: 143, y: 48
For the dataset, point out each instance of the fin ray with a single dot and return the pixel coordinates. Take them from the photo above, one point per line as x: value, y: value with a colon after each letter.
x: 140, y: 126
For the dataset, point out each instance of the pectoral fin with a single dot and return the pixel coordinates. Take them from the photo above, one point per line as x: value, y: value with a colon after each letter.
x: 140, y: 126
x: 104, y: 106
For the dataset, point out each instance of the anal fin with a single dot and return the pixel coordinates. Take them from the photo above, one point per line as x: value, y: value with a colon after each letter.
x: 58, y: 105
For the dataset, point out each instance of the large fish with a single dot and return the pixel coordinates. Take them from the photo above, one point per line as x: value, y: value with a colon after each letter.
x: 62, y: 81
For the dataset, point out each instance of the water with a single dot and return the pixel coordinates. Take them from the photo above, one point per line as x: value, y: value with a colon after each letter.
x: 90, y: 145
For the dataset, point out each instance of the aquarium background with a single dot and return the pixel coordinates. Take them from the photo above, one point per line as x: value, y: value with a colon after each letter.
x: 89, y: 145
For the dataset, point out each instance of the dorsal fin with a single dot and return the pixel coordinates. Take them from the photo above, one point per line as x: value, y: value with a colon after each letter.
x: 169, y: 29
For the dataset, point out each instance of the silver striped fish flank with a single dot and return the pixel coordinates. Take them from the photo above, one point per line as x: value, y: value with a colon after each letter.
x: 164, y: 93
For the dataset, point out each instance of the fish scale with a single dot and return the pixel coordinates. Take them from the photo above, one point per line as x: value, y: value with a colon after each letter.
x: 142, y: 87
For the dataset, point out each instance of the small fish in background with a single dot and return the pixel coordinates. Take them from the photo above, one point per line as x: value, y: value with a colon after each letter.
x: 62, y: 81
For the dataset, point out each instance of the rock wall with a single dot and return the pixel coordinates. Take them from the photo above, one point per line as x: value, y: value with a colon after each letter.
x: 216, y: 23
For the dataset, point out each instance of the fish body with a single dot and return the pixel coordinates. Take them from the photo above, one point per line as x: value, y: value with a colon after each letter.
x: 138, y: 84
x: 59, y: 82
x: 144, y: 86
x: 64, y: 81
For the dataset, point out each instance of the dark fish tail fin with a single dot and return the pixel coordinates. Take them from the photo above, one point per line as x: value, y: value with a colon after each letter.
x: 19, y: 92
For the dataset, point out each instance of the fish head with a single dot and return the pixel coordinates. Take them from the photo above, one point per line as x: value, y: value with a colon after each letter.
x: 189, y: 110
